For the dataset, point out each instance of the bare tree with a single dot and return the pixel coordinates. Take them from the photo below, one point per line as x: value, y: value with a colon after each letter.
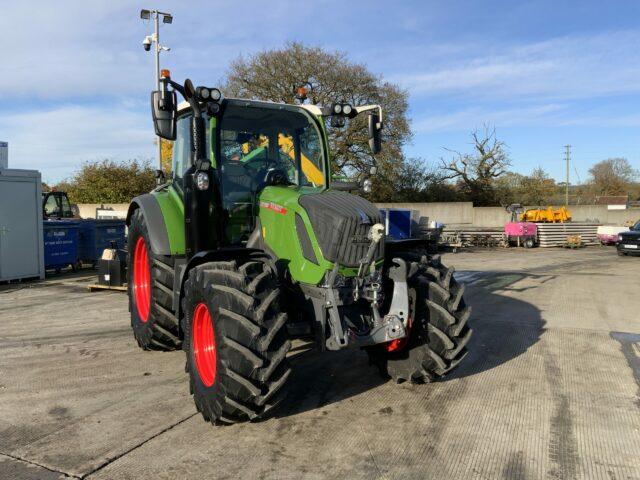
x: 476, y: 172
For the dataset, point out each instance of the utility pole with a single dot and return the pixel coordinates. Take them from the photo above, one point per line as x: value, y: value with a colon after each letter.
x: 567, y: 154
x: 155, y: 40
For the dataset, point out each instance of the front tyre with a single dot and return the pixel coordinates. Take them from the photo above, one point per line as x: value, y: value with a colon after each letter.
x: 150, y: 288
x: 235, y: 341
x: 439, y: 332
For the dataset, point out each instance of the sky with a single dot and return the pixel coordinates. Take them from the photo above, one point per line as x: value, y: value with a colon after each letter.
x: 75, y: 80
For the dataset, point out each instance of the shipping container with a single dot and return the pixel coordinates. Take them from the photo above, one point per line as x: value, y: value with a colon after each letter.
x: 21, y: 249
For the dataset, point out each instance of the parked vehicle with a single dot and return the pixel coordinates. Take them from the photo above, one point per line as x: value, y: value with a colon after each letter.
x: 56, y: 205
x: 251, y: 243
x: 521, y: 233
x: 629, y: 242
x: 608, y: 234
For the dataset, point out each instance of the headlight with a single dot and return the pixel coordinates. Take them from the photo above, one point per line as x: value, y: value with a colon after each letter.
x: 215, y: 94
x: 619, y: 238
x: 347, y: 109
x: 337, y: 109
x: 205, y: 93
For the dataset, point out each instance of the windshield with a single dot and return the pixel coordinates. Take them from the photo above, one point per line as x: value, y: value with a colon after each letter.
x: 257, y: 140
x: 57, y: 205
x: 636, y: 226
x: 264, y: 145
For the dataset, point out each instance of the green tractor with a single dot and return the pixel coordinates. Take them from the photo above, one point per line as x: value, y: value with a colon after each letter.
x: 250, y: 244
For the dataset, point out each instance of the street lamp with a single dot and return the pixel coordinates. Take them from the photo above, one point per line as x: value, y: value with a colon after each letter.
x: 155, y: 40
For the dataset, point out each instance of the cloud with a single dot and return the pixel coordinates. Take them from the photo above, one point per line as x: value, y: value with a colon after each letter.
x: 57, y: 141
x: 66, y: 50
x: 471, y: 118
x: 568, y: 67
x: 75, y: 80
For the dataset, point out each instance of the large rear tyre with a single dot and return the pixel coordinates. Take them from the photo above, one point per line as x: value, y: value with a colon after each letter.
x: 439, y: 330
x: 150, y: 288
x: 234, y: 340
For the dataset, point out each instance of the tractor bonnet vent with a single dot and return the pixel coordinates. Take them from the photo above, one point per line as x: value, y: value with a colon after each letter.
x: 341, y: 222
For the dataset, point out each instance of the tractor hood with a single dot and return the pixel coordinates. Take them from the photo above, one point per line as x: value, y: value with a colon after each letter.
x: 341, y: 222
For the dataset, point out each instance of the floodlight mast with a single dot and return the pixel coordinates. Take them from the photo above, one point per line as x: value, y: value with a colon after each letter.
x: 155, y: 38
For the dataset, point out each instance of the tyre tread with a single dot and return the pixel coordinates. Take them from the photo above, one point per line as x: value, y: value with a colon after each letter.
x: 441, y: 342
x: 252, y: 335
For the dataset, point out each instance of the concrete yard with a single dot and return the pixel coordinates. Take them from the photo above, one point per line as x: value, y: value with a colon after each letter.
x: 549, y: 390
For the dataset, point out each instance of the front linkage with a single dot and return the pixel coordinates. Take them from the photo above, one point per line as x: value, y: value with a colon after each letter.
x: 365, y: 326
x: 407, y: 312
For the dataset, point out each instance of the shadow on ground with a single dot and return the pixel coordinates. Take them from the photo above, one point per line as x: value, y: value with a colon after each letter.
x: 504, y: 328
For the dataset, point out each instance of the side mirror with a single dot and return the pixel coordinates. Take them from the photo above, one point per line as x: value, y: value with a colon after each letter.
x: 375, y: 143
x: 164, y: 112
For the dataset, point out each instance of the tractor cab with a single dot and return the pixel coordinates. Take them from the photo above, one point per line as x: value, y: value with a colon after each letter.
x: 56, y: 205
x: 253, y: 145
x: 235, y: 158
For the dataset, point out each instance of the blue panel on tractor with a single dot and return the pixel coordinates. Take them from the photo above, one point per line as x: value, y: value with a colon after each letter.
x: 397, y: 222
x: 96, y: 235
x: 60, y: 243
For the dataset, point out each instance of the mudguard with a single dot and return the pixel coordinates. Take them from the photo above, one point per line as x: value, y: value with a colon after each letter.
x: 183, y: 266
x: 158, y: 237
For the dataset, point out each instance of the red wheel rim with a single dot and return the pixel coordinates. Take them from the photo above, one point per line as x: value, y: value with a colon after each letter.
x: 141, y: 279
x: 203, y: 342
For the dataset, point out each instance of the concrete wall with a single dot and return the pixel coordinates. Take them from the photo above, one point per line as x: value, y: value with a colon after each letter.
x: 464, y: 213
x: 445, y: 212
x: 490, y: 216
x: 602, y: 214
x: 454, y: 213
x: 88, y: 210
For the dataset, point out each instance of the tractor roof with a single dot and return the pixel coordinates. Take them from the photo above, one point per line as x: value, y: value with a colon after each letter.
x: 313, y: 109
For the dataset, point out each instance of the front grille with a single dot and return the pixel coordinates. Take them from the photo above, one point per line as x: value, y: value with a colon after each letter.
x: 341, y: 222
x: 630, y: 240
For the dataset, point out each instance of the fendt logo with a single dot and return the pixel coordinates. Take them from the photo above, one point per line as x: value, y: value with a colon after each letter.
x: 273, y: 207
x: 360, y: 239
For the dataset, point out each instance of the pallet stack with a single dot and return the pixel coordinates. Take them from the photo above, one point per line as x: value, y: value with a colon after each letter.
x: 468, y: 233
x: 555, y: 234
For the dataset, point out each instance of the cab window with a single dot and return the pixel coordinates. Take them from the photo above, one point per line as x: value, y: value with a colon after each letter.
x: 181, y: 149
x: 51, y: 208
x: 262, y: 146
x: 181, y: 156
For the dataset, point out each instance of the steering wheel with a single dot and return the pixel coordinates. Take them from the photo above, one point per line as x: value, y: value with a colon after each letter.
x: 276, y: 176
